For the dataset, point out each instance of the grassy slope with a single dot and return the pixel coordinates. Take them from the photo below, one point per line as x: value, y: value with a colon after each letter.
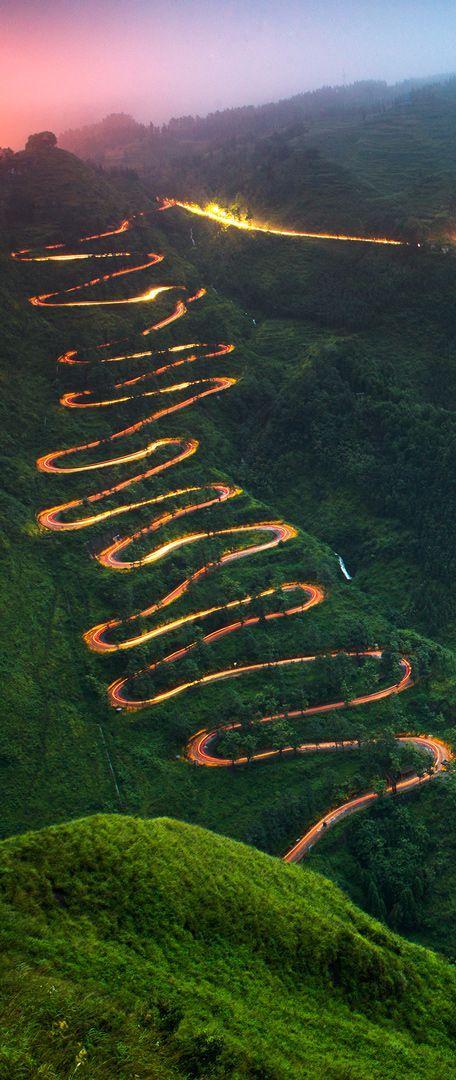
x: 57, y: 725
x: 348, y: 482
x: 53, y: 757
x: 406, y: 153
x: 156, y: 949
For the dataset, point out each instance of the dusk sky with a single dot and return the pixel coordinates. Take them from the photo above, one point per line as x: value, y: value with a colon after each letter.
x: 65, y: 62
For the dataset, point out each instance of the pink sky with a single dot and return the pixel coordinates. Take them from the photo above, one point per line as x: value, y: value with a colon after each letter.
x: 63, y: 62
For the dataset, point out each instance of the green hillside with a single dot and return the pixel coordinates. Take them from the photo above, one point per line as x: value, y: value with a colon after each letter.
x: 355, y: 401
x: 367, y: 156
x: 47, y: 194
x: 397, y: 862
x: 154, y: 949
x: 59, y: 734
x: 390, y: 167
x: 354, y: 408
x: 390, y: 171
x: 319, y: 334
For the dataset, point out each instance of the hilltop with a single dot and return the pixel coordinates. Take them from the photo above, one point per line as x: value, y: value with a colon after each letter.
x: 47, y: 194
x: 152, y: 948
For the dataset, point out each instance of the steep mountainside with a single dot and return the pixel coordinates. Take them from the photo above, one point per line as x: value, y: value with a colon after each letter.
x: 390, y: 170
x: 367, y: 155
x: 355, y: 403
x: 154, y: 949
x: 115, y: 569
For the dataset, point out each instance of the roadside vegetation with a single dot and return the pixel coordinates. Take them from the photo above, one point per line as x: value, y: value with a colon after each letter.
x: 340, y: 423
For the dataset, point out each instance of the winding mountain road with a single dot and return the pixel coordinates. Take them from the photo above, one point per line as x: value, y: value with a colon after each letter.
x: 440, y: 753
x: 213, y: 212
x: 116, y: 634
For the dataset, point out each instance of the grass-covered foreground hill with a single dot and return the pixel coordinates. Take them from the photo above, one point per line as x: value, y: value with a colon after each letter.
x: 151, y: 949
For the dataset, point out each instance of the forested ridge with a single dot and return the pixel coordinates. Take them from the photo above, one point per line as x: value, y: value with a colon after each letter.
x: 368, y: 154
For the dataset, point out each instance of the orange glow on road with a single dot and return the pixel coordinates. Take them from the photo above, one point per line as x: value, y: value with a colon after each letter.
x: 197, y: 747
x: 47, y: 462
x: 113, y: 556
x: 96, y: 638
x: 51, y: 519
x: 46, y: 299
x: 118, y: 698
x: 214, y: 212
x: 29, y: 255
x: 438, y: 750
x: 122, y: 634
x: 198, y: 752
x: 72, y: 401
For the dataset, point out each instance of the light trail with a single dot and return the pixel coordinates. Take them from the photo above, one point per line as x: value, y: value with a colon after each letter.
x: 48, y: 299
x: 213, y: 212
x: 198, y: 745
x: 199, y: 753
x: 71, y: 355
x: 118, y: 698
x: 73, y: 401
x: 30, y: 255
x: 64, y: 516
x: 109, y: 557
x: 51, y: 519
x: 438, y: 750
x: 96, y: 638
x: 263, y: 535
